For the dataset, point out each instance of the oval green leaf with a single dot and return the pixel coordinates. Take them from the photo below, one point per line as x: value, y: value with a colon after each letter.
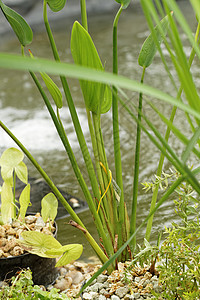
x: 56, y: 5
x: 149, y: 47
x: 22, y: 172
x: 96, y: 95
x: 24, y: 201
x: 18, y: 24
x: 49, y: 207
x: 53, y: 89
x: 39, y: 243
x: 11, y: 157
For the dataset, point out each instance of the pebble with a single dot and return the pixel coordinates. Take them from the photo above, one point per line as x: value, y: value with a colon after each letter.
x: 107, y: 287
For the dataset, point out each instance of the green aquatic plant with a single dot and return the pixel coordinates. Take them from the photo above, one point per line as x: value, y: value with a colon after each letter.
x: 100, y: 90
x: 12, y: 166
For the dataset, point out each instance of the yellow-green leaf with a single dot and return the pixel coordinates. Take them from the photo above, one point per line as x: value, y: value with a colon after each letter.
x: 24, y: 201
x: 22, y: 172
x: 11, y: 157
x: 7, y: 207
x: 18, y: 24
x: 73, y: 252
x: 49, y: 207
x: 53, y: 89
x: 39, y: 243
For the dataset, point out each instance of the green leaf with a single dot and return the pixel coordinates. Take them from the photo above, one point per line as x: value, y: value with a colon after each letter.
x: 53, y: 89
x: 7, y: 174
x: 11, y: 157
x: 9, y: 160
x: 97, y: 96
x: 22, y: 172
x: 24, y: 201
x: 124, y: 3
x: 38, y: 243
x: 149, y: 47
x: 56, y: 5
x: 72, y: 253
x: 49, y: 207
x: 18, y: 24
x: 7, y: 207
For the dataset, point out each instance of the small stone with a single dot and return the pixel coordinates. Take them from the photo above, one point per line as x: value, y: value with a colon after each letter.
x: 76, y: 276
x: 87, y: 296
x: 136, y: 295
x: 101, y: 297
x: 114, y: 297
x: 30, y: 219
x: 63, y: 284
x: 102, y: 278
x: 122, y: 291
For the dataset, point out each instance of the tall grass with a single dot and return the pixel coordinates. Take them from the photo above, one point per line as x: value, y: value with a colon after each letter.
x: 101, y: 90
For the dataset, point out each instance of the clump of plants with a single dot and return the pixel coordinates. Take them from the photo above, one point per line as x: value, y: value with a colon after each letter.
x: 19, y: 232
x: 22, y: 287
x: 176, y: 260
x: 102, y: 90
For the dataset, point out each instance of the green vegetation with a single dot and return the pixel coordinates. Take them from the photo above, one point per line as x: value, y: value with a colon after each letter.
x: 22, y: 287
x: 12, y: 166
x: 101, y: 90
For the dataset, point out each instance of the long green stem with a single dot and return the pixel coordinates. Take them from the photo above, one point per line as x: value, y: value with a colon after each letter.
x: 136, y: 171
x: 72, y: 109
x: 84, y: 14
x: 64, y: 139
x: 116, y: 138
x: 117, y: 153
x: 90, y: 239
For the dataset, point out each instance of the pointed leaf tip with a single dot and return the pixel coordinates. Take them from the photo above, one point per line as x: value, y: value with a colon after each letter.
x: 18, y: 24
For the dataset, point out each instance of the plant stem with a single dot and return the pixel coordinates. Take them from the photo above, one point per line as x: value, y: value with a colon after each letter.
x: 90, y: 239
x: 116, y: 138
x: 136, y: 170
x: 77, y: 126
x: 84, y: 14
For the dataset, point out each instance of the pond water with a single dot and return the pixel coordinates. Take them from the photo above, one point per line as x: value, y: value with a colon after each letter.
x: 23, y: 111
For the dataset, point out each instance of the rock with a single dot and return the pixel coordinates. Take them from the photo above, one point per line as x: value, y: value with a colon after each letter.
x: 102, y: 278
x: 76, y: 276
x: 122, y: 291
x: 63, y: 284
x: 114, y: 297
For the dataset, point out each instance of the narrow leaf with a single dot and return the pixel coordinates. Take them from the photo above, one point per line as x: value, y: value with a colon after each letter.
x: 53, y: 89
x: 7, y: 207
x: 49, y: 207
x: 56, y: 5
x: 192, y: 143
x: 24, y: 201
x: 149, y: 47
x: 18, y: 24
